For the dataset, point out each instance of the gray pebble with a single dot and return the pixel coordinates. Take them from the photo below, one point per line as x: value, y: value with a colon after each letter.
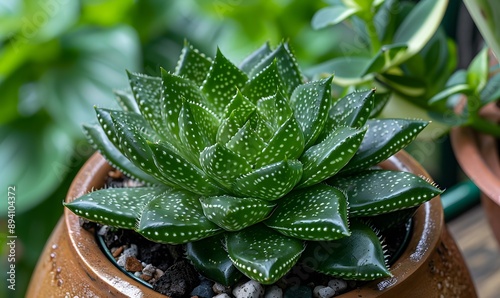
x: 326, y: 292
x: 274, y: 292
x: 250, y: 289
x: 339, y: 285
x: 220, y: 288
x: 223, y: 295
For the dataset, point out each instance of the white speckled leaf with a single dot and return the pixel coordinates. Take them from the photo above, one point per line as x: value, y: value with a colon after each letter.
x: 239, y: 104
x: 315, y: 213
x: 223, y: 165
x: 263, y: 254
x: 246, y: 143
x: 235, y: 213
x: 287, y: 67
x: 252, y: 60
x: 192, y: 64
x: 126, y: 100
x: 275, y: 110
x: 133, y: 139
x: 210, y: 258
x: 265, y: 83
x: 180, y: 171
x: 287, y: 143
x: 359, y: 256
x: 175, y: 217
x: 270, y: 182
x: 197, y: 127
x: 311, y: 103
x: 323, y: 160
x: 383, y: 139
x: 222, y: 81
x: 175, y: 89
x: 118, y: 207
x: 374, y: 192
x: 352, y: 110
x: 230, y: 126
x: 99, y: 141
x: 147, y: 93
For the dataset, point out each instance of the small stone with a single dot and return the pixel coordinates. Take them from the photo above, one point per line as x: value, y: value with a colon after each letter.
x: 158, y: 273
x: 274, y: 292
x: 298, y: 292
x: 220, y: 288
x: 339, y: 285
x: 250, y: 289
x: 316, y: 290
x: 326, y: 292
x: 131, y: 251
x: 117, y: 251
x: 146, y: 277
x: 133, y: 265
x: 223, y: 295
x: 203, y: 290
x: 103, y: 230
x: 149, y: 269
x: 115, y: 174
x: 137, y: 274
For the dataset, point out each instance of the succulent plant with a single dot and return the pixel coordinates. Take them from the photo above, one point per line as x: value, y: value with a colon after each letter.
x: 253, y: 168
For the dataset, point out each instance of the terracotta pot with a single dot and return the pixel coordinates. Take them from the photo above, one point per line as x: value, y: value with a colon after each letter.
x: 73, y: 265
x: 478, y: 156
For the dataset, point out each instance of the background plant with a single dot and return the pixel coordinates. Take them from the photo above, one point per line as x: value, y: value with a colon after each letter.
x: 246, y: 152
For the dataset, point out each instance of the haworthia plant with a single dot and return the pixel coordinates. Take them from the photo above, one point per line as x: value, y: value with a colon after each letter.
x: 250, y: 166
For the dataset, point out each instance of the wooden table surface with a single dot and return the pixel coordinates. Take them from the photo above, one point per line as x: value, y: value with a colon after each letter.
x: 480, y: 249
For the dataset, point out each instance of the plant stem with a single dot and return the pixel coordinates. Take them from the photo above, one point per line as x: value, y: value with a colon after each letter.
x: 373, y: 35
x: 486, y: 126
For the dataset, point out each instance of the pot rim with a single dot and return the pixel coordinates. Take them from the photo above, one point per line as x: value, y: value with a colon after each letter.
x: 428, y: 223
x: 477, y: 154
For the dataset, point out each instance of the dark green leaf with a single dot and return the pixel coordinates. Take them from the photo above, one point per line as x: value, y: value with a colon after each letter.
x: 288, y: 68
x: 315, y: 213
x: 359, y: 256
x: 270, y: 182
x: 311, y: 103
x: 175, y: 90
x: 275, y: 110
x: 118, y: 207
x: 175, y: 217
x: 384, y: 138
x: 287, y: 143
x: 222, y: 82
x: 255, y: 58
x: 197, y: 127
x: 388, y: 56
x: 246, y: 143
x: 263, y: 254
x: 126, y: 100
x: 192, y: 64
x: 210, y: 258
x: 264, y: 83
x: 147, y: 93
x: 491, y: 91
x: 379, y: 191
x: 235, y: 213
x: 223, y: 165
x: 177, y: 169
x: 96, y: 136
x: 325, y: 159
x: 352, y: 110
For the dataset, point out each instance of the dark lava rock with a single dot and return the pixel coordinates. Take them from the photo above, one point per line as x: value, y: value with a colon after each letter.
x: 178, y: 281
x: 204, y: 290
x: 298, y: 292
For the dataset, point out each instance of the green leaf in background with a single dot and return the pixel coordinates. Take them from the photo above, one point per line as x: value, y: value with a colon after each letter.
x: 486, y: 15
x: 331, y: 16
x: 35, y: 157
x: 91, y: 54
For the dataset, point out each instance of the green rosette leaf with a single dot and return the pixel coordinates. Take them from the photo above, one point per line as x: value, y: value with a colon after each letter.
x: 263, y: 254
